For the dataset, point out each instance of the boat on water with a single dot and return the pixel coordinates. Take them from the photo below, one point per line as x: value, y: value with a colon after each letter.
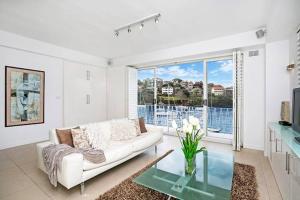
x: 215, y: 130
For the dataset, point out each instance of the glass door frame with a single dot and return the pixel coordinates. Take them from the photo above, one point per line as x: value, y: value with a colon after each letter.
x: 205, y: 90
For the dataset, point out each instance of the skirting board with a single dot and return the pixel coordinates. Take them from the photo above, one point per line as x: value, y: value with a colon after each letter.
x: 249, y: 146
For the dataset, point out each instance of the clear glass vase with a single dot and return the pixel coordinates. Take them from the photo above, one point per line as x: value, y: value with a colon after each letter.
x: 190, y: 165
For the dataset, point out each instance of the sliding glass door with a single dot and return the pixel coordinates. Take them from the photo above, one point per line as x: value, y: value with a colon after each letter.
x: 179, y: 93
x: 220, y: 97
x: 201, y: 88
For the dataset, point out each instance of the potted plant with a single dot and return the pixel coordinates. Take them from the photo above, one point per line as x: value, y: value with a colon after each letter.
x: 190, y: 136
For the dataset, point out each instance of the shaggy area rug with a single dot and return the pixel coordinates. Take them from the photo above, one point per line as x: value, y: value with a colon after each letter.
x: 244, y: 186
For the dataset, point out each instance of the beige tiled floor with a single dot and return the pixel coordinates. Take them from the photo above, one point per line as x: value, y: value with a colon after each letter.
x: 21, y: 179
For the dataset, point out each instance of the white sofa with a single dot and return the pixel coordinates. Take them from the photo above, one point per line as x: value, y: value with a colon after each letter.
x: 75, y: 170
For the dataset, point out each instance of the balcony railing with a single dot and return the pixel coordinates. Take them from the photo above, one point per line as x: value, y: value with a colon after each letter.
x: 219, y: 119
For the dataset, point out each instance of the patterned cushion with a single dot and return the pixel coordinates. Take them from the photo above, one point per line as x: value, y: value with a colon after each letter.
x: 137, y: 126
x: 123, y: 129
x: 80, y: 139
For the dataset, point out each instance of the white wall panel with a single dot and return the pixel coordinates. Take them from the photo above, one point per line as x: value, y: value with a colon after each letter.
x: 254, y: 100
x: 117, y: 92
x: 76, y: 88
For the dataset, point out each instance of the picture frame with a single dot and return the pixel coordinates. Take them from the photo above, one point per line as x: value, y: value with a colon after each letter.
x: 24, y: 96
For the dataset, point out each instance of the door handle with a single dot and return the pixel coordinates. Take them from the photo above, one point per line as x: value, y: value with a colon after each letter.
x: 270, y: 137
x: 276, y: 145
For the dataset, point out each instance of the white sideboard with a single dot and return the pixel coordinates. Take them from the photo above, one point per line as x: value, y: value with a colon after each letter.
x: 284, y: 156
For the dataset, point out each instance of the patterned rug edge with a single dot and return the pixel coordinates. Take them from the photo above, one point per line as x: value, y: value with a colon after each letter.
x: 244, y: 186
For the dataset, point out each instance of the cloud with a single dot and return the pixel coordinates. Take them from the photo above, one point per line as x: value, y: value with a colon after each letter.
x: 226, y: 66
x: 178, y: 71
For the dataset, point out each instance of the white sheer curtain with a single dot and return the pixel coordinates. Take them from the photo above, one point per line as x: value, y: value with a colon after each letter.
x: 132, y: 92
x: 238, y: 99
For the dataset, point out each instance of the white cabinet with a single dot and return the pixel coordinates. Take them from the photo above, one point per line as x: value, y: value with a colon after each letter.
x: 284, y: 162
x: 284, y: 172
x: 294, y: 170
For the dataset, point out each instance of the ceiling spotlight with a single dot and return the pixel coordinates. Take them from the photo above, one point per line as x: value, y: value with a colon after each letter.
x: 129, y: 29
x: 142, y: 26
x: 116, y: 33
x: 156, y: 20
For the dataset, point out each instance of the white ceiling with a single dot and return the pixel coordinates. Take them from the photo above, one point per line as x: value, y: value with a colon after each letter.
x: 87, y: 25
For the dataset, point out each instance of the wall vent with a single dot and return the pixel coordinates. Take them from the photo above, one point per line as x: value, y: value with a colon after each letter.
x: 253, y: 53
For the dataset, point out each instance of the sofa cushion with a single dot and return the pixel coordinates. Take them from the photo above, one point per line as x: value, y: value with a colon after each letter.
x: 123, y: 129
x: 137, y: 126
x: 80, y: 139
x: 117, y: 150
x: 145, y: 140
x: 65, y: 137
x: 142, y: 125
x: 99, y: 134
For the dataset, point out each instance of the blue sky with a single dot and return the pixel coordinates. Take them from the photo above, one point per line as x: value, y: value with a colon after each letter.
x: 219, y: 72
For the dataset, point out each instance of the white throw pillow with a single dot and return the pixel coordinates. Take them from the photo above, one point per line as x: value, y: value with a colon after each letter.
x: 99, y: 134
x: 123, y: 129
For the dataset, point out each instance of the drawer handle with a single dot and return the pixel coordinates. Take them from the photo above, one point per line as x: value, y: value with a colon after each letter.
x: 286, y: 161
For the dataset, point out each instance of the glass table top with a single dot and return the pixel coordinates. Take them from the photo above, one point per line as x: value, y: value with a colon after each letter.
x: 212, y: 179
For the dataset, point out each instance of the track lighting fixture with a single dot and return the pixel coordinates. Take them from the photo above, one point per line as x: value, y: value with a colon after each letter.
x: 140, y: 23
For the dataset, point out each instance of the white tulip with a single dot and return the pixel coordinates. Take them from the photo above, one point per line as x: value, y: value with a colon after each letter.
x: 190, y: 128
x: 185, y: 128
x: 194, y: 121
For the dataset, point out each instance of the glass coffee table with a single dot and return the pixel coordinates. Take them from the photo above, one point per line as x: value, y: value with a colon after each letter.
x: 211, y: 180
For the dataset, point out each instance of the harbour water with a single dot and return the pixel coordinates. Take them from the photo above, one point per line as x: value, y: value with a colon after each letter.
x: 219, y: 119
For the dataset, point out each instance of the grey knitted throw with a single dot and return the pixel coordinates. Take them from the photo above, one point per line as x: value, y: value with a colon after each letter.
x: 53, y: 155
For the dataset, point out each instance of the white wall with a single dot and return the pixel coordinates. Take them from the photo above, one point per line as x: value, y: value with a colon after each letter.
x: 254, y: 100
x: 293, y: 48
x: 213, y: 46
x: 277, y: 79
x: 53, y: 67
x: 27, y: 53
x: 117, y: 92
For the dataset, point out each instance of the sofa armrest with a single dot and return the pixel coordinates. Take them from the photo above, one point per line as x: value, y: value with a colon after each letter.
x: 153, y: 128
x: 71, y: 168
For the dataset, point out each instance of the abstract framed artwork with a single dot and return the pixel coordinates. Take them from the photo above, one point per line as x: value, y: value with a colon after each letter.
x: 24, y: 96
